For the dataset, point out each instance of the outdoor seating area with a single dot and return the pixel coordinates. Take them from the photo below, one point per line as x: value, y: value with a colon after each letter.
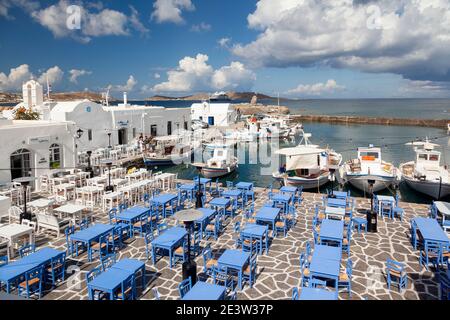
x: 248, y: 243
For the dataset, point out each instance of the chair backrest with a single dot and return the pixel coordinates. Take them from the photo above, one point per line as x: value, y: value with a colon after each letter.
x: 184, y: 287
x: 393, y: 265
x: 108, y: 261
x: 91, y: 275
x: 230, y: 184
x: 303, y: 260
x: 207, y: 253
x: 84, y: 224
x: 14, y: 212
x: 162, y: 226
x: 237, y: 227
x: 26, y: 250
x: 112, y: 214
x: 315, y: 283
x: 308, y: 249
x: 349, y: 267
x: 3, y: 261
x: 295, y: 293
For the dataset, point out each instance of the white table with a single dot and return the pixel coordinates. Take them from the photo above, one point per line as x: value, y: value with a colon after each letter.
x: 335, y: 212
x: 14, y: 231
x: 73, y: 210
x: 41, y: 203
x: 5, y: 204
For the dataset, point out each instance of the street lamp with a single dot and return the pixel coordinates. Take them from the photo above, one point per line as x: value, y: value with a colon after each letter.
x: 108, y: 163
x: 24, y: 182
x: 371, y: 215
x: 189, y: 268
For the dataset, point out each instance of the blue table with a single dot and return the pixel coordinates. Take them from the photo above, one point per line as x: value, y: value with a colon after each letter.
x: 259, y: 232
x: 204, y: 182
x: 235, y: 259
x: 16, y: 269
x: 431, y: 230
x: 324, y: 263
x: 244, y: 186
x: 91, y: 234
x: 234, y: 194
x: 283, y: 198
x: 336, y: 202
x: 205, y: 291
x: 332, y: 230
x: 317, y: 294
x: 163, y: 200
x: 220, y: 204
x: 267, y: 214
x: 109, y: 281
x: 188, y: 189
x: 203, y: 221
x: 169, y: 240
x: 288, y: 189
x: 132, y: 215
x: 131, y: 265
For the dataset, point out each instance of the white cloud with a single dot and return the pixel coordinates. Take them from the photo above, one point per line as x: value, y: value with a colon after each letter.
x: 426, y: 88
x: 156, y: 76
x: 316, y: 89
x: 129, y: 86
x: 100, y: 22
x: 7, y: 5
x: 406, y: 37
x: 53, y: 74
x: 171, y: 10
x: 224, y: 42
x: 202, y: 27
x: 195, y: 74
x: 15, y: 78
x: 76, y: 73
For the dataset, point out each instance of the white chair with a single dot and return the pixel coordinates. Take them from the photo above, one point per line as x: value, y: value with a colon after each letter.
x: 14, y: 214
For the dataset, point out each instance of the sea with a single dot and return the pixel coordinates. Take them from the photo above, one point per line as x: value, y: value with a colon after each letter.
x: 342, y: 138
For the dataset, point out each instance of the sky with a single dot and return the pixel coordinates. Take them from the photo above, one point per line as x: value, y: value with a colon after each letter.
x: 297, y: 48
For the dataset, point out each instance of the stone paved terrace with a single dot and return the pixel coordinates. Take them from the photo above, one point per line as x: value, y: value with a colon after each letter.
x: 278, y: 271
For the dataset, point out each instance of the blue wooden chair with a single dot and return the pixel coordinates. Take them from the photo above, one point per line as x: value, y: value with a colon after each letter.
x: 214, y: 228
x: 26, y: 250
x: 127, y: 290
x: 295, y: 293
x: 386, y: 208
x: 91, y: 275
x: 249, y: 273
x: 431, y: 253
x: 230, y: 185
x: 308, y: 251
x: 249, y: 244
x: 415, y: 240
x: 116, y: 238
x: 142, y: 226
x: 146, y: 200
x: 161, y: 227
x: 180, y: 253
x: 83, y: 224
x: 208, y: 260
x: 345, y: 278
x: 316, y: 283
x: 123, y: 206
x: 397, y: 211
x: 281, y: 225
x: 395, y: 273
x: 304, y: 269
x: 433, y: 211
x: 270, y: 192
x: 237, y: 234
x: 359, y: 222
x: 184, y: 287
x: 56, y: 271
x: 108, y: 260
x: 292, y: 216
x: 148, y: 238
x: 249, y: 194
x: 32, y: 283
x: 101, y: 247
x: 222, y: 277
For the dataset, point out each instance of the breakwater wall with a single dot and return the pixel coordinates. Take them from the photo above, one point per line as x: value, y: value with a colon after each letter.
x: 441, y: 123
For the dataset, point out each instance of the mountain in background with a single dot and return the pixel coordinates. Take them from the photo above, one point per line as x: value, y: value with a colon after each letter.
x: 241, y: 96
x: 11, y: 98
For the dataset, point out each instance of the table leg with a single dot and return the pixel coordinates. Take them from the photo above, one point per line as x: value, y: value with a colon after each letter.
x: 170, y: 258
x: 153, y: 254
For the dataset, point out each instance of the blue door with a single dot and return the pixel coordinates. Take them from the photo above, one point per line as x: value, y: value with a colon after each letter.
x: 211, y: 121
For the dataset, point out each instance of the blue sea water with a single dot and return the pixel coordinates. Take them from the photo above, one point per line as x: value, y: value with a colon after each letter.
x: 346, y: 139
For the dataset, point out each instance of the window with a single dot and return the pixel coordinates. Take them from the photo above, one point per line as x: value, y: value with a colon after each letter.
x: 55, y: 156
x: 423, y: 156
x: 90, y: 134
x: 169, y: 128
x: 154, y: 130
x: 434, y: 157
x: 185, y: 125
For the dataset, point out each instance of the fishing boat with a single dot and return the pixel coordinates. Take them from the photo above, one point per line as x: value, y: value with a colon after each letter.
x: 307, y: 165
x: 368, y: 166
x: 221, y: 164
x: 426, y: 174
x: 218, y: 144
x: 168, y: 151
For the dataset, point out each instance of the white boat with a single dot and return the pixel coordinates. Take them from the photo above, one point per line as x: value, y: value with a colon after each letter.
x: 426, y: 175
x: 368, y: 166
x: 217, y: 144
x: 307, y: 165
x: 221, y: 164
x: 169, y: 150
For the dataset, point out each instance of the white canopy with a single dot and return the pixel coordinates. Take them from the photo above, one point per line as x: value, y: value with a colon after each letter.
x: 299, y: 151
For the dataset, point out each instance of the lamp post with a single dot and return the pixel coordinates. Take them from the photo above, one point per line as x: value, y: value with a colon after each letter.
x: 371, y: 215
x: 199, y: 195
x: 108, y: 163
x: 109, y: 140
x: 24, y: 182
x: 189, y: 267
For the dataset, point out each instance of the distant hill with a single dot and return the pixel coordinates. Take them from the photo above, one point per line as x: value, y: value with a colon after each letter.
x: 241, y: 96
x: 10, y: 98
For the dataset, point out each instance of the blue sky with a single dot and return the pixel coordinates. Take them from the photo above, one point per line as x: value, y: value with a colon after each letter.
x: 362, y: 49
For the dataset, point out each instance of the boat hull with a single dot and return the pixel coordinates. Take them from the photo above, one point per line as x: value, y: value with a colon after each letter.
x: 167, y: 161
x: 216, y: 172
x: 361, y: 182
x: 313, y: 183
x: 429, y: 188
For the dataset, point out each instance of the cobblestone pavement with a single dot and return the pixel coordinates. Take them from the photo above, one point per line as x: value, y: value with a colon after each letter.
x: 278, y: 271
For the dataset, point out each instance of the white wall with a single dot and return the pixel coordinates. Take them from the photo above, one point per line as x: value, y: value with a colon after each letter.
x: 20, y: 135
x: 223, y: 113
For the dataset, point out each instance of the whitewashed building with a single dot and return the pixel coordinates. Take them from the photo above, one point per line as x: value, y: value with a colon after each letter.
x: 34, y: 148
x: 215, y: 114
